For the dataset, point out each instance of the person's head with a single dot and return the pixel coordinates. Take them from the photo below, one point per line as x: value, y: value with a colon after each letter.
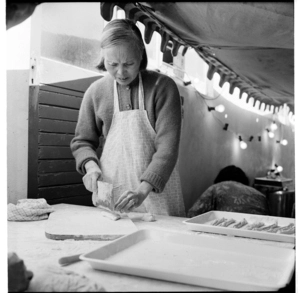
x: 232, y: 173
x: 123, y: 52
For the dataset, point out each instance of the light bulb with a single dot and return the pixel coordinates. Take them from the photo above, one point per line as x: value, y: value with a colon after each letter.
x: 273, y: 126
x: 279, y: 169
x: 226, y: 115
x: 284, y: 142
x: 271, y: 134
x: 257, y: 119
x: 220, y: 108
x: 243, y: 145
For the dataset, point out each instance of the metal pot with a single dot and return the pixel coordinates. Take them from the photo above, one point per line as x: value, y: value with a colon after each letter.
x: 282, y: 203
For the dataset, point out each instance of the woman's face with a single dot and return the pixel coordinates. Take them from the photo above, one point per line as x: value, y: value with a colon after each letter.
x: 122, y: 62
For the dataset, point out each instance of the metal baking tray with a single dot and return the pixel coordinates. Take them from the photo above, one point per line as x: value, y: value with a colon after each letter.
x: 196, y: 260
x: 204, y: 223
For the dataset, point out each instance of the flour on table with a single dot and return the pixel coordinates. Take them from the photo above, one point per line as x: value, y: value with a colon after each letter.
x: 114, y: 216
x: 55, y: 279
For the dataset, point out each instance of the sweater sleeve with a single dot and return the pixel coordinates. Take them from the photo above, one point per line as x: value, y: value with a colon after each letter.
x: 167, y: 128
x: 87, y: 133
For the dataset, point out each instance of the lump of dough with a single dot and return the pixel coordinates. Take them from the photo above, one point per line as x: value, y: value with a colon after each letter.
x: 103, y: 197
x: 109, y: 214
x: 148, y: 218
x: 56, y: 279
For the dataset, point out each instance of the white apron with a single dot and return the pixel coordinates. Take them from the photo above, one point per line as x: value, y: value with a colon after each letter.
x: 128, y: 151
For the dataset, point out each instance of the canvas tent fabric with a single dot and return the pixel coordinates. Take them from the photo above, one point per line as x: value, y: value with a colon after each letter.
x: 250, y: 44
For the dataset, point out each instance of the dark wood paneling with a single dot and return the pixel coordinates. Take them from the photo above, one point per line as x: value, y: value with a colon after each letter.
x: 85, y: 200
x: 55, y: 139
x: 32, y: 142
x: 64, y: 178
x: 51, y: 112
x: 56, y: 166
x: 65, y: 91
x: 63, y: 191
x: 48, y: 152
x: 76, y: 85
x: 57, y: 126
x: 57, y: 99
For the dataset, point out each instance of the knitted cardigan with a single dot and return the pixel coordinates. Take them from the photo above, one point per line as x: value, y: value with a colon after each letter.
x: 162, y: 103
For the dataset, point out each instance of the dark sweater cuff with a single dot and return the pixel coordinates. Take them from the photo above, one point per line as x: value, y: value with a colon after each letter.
x: 83, y: 157
x: 156, y: 181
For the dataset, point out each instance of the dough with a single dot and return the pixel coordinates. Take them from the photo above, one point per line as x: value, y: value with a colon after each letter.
x: 240, y: 224
x: 56, y: 279
x: 292, y: 230
x: 104, y: 196
x: 109, y: 214
x: 217, y: 222
x: 255, y: 225
x: 148, y: 218
x: 227, y: 223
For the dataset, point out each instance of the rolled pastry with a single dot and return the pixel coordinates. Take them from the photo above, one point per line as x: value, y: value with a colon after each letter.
x: 227, y: 223
x: 240, y: 224
x: 217, y: 222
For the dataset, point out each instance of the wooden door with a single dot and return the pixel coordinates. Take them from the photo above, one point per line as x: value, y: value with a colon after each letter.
x: 53, y: 113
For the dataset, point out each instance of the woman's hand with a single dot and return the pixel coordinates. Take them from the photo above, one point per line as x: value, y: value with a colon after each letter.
x: 93, y: 174
x: 133, y: 199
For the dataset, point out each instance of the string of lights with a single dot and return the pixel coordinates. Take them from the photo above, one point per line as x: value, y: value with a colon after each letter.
x: 220, y: 108
x: 170, y: 69
x: 243, y: 137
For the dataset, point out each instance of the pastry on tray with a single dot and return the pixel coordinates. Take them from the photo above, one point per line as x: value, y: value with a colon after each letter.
x: 256, y: 226
x: 240, y: 224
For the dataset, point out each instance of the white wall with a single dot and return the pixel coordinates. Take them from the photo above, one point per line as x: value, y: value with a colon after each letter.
x: 17, y: 92
x: 18, y: 46
x: 17, y: 134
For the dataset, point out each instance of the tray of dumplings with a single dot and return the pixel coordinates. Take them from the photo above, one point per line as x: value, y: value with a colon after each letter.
x: 244, y: 225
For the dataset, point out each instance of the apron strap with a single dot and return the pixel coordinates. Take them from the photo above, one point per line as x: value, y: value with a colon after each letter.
x: 141, y: 96
x: 116, y: 99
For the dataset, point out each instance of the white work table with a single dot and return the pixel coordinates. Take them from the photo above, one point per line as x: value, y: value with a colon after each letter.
x: 28, y: 240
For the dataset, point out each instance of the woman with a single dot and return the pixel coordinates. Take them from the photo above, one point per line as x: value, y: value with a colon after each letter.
x: 139, y: 114
x: 231, y: 193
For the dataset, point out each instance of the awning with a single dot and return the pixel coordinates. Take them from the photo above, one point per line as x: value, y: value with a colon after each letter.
x: 250, y: 44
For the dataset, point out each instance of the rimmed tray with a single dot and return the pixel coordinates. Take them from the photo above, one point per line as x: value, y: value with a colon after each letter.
x: 196, y: 260
x: 204, y: 223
